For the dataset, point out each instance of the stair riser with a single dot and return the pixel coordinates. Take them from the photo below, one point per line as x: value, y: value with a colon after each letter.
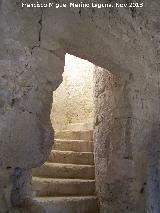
x: 72, y: 158
x: 70, y: 135
x: 63, y: 172
x: 74, y: 146
x: 69, y: 206
x: 63, y: 189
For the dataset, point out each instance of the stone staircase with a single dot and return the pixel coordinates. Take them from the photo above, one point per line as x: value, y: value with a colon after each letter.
x: 66, y: 182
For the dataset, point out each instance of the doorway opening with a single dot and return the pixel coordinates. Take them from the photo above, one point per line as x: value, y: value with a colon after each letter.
x: 68, y: 177
x: 73, y: 101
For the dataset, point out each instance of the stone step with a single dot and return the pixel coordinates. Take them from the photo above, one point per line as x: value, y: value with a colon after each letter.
x: 73, y: 145
x: 75, y: 135
x: 80, y: 126
x: 71, y: 171
x: 62, y: 187
x: 69, y: 157
x: 83, y: 204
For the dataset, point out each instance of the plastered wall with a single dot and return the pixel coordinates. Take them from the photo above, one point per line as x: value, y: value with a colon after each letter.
x: 73, y: 100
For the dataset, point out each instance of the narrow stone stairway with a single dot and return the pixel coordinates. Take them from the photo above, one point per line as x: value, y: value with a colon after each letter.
x: 66, y: 182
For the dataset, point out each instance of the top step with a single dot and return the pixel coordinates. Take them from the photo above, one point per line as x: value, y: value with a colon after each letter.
x: 80, y: 126
x: 75, y: 135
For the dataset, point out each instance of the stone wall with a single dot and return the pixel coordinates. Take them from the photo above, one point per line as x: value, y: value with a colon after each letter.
x: 112, y: 148
x: 126, y: 143
x: 28, y: 76
x: 125, y: 41
x: 73, y: 100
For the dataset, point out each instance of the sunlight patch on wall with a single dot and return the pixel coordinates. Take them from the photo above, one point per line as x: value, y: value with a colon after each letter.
x: 73, y: 100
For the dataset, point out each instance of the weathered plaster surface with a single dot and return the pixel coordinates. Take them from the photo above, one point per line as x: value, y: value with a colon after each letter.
x: 28, y: 76
x: 73, y: 100
x: 32, y: 48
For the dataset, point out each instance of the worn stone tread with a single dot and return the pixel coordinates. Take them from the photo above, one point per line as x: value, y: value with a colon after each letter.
x: 71, y: 171
x: 62, y: 198
x: 74, y: 135
x: 69, y: 204
x: 73, y: 145
x: 71, y: 157
x: 63, y: 187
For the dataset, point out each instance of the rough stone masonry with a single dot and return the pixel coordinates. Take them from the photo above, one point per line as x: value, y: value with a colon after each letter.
x: 126, y: 41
